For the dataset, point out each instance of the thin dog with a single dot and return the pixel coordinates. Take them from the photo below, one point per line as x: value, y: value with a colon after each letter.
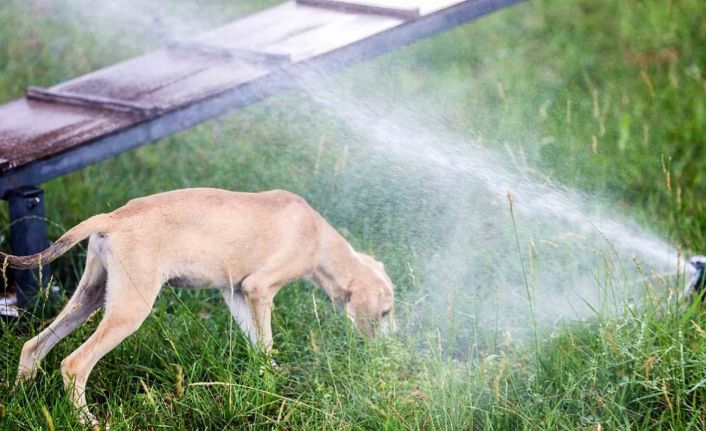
x: 247, y: 245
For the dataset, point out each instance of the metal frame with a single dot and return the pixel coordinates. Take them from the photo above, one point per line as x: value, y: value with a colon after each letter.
x: 30, y: 236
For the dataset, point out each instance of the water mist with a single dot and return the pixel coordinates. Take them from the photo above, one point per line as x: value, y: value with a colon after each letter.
x: 513, y: 249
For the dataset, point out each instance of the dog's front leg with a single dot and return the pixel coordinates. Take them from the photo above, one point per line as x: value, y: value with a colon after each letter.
x: 260, y: 296
x: 240, y: 308
x: 261, y: 308
x: 261, y: 288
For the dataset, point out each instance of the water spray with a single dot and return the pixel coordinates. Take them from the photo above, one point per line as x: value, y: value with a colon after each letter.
x: 582, y: 255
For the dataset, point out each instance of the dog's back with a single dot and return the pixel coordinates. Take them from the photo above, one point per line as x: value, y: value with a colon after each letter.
x: 200, y: 232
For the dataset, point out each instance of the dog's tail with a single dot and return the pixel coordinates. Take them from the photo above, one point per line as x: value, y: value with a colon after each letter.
x: 95, y: 224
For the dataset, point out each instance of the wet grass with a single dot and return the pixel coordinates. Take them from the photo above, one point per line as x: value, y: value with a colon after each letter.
x: 605, y: 96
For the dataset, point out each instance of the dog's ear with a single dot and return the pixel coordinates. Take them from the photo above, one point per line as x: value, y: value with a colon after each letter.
x: 344, y: 297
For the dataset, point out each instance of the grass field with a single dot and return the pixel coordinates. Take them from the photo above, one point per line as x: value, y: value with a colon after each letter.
x: 608, y: 97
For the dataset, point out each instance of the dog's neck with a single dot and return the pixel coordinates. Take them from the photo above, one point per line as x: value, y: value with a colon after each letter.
x: 337, y: 266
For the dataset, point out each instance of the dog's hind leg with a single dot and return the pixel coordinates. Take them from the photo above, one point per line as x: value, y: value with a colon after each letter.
x: 87, y: 298
x: 129, y: 299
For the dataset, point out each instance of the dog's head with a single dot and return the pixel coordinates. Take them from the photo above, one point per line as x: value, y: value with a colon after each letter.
x: 371, y: 303
x: 696, y: 267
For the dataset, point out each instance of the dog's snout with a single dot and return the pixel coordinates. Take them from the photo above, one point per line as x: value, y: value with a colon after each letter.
x: 387, y: 326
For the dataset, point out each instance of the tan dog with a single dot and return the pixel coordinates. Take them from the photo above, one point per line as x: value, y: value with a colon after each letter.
x: 248, y: 245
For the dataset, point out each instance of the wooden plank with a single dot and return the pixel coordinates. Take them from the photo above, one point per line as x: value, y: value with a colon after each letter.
x: 268, y: 26
x: 358, y: 7
x: 346, y: 30
x: 32, y: 130
x: 196, y: 47
x: 136, y: 79
x: 95, y: 102
x: 298, y: 31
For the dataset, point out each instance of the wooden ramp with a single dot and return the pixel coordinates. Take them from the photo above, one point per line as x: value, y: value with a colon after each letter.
x: 70, y: 125
x: 53, y: 131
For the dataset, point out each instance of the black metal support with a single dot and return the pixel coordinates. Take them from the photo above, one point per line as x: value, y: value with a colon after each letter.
x: 28, y: 232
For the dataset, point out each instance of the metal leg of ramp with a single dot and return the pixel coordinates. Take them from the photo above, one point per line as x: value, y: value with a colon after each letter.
x: 28, y: 230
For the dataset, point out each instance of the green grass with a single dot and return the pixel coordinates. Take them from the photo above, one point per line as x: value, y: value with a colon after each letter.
x: 609, y: 97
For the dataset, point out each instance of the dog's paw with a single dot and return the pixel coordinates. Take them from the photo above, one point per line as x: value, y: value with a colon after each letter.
x: 24, y: 375
x: 272, y: 368
x: 88, y: 420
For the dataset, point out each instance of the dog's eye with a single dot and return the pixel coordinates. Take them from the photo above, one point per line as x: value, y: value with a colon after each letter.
x: 386, y: 312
